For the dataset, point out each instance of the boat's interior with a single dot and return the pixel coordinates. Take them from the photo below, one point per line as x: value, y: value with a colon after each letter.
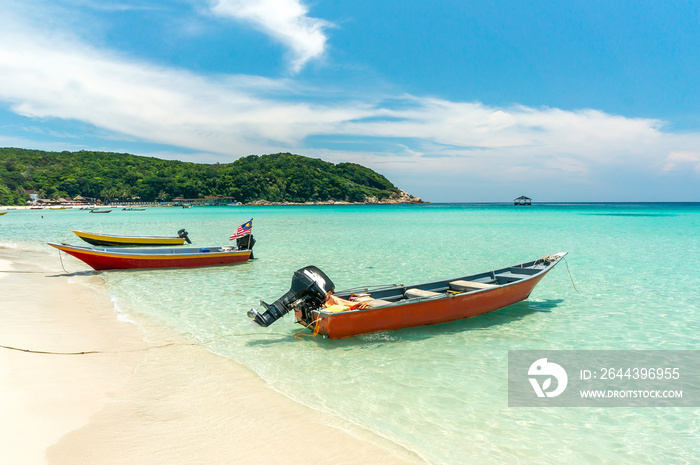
x: 387, y: 295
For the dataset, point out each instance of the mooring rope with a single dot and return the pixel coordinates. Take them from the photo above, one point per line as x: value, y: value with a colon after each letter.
x: 51, y: 353
x: 570, y: 277
x: 316, y: 324
x: 61, y: 257
x: 145, y: 349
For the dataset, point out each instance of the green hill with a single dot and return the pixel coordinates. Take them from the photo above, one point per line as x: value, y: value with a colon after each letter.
x: 281, y: 177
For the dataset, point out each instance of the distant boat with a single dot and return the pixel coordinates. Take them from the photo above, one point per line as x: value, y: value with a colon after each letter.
x: 119, y: 240
x: 101, y: 258
x: 399, y: 306
x: 3, y: 213
x: 100, y: 211
x: 131, y: 209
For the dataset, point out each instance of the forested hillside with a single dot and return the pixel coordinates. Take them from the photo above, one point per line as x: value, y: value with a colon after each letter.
x: 281, y: 177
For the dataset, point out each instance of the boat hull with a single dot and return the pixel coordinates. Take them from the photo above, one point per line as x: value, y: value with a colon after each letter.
x: 127, y: 241
x: 427, y: 312
x: 105, y: 259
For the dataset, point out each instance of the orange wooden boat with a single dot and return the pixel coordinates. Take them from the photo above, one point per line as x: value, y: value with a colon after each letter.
x: 399, y: 306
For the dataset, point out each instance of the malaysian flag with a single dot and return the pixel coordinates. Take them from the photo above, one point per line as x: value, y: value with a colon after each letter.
x: 242, y: 231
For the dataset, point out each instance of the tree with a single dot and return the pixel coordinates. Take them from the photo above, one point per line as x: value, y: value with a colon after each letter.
x: 6, y: 197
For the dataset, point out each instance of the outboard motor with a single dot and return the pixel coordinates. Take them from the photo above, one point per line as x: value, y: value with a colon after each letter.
x: 308, y: 292
x: 183, y: 233
x: 246, y: 243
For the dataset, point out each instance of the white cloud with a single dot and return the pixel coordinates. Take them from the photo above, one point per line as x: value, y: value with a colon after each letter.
x: 680, y: 160
x: 284, y: 20
x: 513, y: 142
x: 59, y: 78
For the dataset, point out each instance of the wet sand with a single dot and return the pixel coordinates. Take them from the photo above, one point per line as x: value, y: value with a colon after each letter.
x: 141, y: 395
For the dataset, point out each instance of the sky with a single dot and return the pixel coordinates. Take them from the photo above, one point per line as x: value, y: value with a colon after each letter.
x: 451, y: 100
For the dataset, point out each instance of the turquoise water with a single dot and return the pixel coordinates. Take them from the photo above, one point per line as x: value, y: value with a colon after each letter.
x: 442, y: 390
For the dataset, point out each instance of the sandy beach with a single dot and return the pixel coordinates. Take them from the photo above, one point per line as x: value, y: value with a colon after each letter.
x: 81, y: 386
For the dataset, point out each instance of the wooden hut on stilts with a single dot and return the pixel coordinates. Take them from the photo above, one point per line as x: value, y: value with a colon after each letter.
x: 522, y: 200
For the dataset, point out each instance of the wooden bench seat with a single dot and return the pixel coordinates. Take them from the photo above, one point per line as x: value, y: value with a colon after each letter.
x: 377, y: 302
x: 464, y: 286
x: 371, y: 301
x: 413, y: 293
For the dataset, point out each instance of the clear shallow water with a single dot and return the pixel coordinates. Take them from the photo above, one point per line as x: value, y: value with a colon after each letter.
x: 442, y: 390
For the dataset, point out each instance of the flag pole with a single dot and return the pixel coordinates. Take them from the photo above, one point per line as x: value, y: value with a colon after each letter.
x: 251, y: 232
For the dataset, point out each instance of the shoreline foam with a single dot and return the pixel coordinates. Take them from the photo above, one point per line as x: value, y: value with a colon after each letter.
x: 163, y: 401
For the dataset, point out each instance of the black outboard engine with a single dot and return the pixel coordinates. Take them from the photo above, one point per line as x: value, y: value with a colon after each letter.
x: 183, y: 233
x: 308, y: 292
x: 246, y: 243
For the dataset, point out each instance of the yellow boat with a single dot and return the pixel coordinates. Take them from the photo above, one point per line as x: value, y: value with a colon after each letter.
x: 117, y: 240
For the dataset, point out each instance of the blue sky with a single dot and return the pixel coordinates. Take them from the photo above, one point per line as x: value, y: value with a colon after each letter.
x: 451, y: 100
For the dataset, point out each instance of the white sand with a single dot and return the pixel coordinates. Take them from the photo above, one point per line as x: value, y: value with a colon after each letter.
x: 136, y: 403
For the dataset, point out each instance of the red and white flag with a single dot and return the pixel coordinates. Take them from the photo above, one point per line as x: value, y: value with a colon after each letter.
x: 242, y: 231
